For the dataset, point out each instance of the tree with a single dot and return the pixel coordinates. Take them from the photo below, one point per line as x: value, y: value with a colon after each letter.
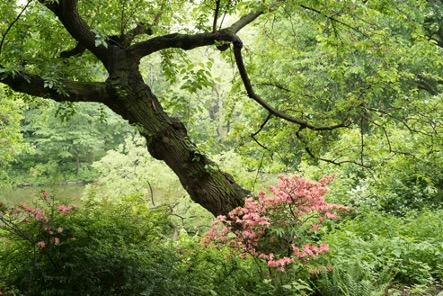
x: 109, y: 45
x: 65, y: 143
x: 11, y: 139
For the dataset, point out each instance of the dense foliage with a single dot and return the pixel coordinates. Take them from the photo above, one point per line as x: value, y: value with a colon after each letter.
x: 51, y: 248
x: 273, y: 93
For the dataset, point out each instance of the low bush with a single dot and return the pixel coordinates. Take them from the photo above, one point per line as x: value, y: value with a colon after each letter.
x: 56, y: 249
x: 375, y: 252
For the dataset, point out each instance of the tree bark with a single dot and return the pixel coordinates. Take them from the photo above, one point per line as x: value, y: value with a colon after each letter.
x: 167, y: 140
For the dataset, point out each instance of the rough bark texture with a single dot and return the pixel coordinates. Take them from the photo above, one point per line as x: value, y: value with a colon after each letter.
x: 167, y: 140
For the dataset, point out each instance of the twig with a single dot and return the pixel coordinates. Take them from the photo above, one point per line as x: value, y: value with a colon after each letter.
x: 362, y: 141
x: 152, y: 193
x: 253, y: 135
x: 12, y: 24
x: 331, y: 18
x: 217, y: 9
x: 331, y: 161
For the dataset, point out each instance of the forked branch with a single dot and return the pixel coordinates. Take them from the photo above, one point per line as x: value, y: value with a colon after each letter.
x: 66, y: 11
x: 190, y: 41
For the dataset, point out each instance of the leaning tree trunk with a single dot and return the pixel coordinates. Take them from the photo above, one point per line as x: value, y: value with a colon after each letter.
x: 167, y: 140
x: 126, y: 93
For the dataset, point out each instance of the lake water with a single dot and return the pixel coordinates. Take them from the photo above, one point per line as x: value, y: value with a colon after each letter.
x: 65, y: 192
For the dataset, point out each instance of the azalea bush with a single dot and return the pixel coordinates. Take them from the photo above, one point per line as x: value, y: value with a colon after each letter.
x: 97, y: 249
x: 38, y: 225
x: 281, y: 228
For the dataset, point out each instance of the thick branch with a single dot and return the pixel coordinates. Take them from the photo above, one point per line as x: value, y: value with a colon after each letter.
x: 71, y: 91
x: 79, y: 49
x: 187, y: 41
x: 176, y: 40
x: 250, y: 91
x: 66, y: 11
x: 121, y: 41
x: 244, y: 21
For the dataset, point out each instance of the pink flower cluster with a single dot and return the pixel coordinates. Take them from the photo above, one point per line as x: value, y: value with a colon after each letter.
x: 280, y: 263
x: 294, y: 203
x: 48, y: 233
x: 65, y: 209
x: 310, y: 250
x: 45, y: 195
x: 54, y: 236
x: 305, y: 196
x: 37, y: 213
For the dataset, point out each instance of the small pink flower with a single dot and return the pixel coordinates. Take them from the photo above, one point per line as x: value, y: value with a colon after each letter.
x: 56, y: 241
x: 315, y: 227
x: 331, y: 215
x: 297, y: 252
x: 64, y: 209
x: 272, y: 263
x: 37, y: 213
x: 323, y: 248
x: 280, y: 263
x: 315, y: 270
x: 41, y: 245
x: 45, y: 194
x: 60, y: 229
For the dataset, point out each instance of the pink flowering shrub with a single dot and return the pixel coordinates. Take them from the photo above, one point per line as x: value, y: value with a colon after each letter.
x: 279, y: 228
x: 46, y: 228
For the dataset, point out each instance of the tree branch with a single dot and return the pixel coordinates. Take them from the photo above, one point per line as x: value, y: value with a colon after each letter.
x: 262, y: 125
x: 238, y: 44
x: 274, y: 84
x: 243, y: 22
x: 333, y: 19
x: 66, y: 11
x: 216, y: 11
x: 188, y: 41
x: 140, y: 29
x: 72, y: 91
x: 327, y: 160
x: 79, y: 49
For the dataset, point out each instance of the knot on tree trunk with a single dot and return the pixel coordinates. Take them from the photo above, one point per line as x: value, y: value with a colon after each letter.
x: 159, y: 142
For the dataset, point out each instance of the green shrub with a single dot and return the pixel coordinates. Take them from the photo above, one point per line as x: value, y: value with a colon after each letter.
x: 376, y: 250
x: 96, y: 250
